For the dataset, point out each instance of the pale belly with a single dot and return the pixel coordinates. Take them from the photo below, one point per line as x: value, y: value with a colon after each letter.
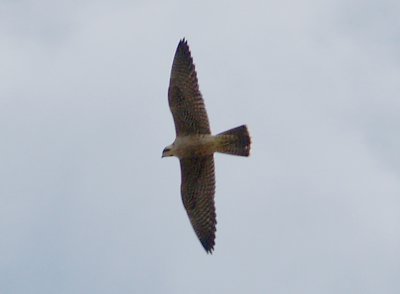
x: 194, y: 146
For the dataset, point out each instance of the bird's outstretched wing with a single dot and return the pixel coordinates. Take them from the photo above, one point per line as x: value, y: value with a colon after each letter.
x: 184, y: 97
x: 198, y: 189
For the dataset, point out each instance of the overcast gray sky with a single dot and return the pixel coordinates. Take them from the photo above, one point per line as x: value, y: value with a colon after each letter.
x: 88, y: 206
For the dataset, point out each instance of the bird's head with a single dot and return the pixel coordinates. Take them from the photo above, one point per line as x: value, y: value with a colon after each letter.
x: 167, y: 151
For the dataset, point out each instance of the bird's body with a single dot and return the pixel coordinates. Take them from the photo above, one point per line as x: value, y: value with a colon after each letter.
x: 195, y: 146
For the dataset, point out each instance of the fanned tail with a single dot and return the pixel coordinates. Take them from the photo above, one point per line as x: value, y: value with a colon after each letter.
x: 235, y: 141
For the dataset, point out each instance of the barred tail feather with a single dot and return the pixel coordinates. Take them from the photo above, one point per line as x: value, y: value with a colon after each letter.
x: 235, y: 141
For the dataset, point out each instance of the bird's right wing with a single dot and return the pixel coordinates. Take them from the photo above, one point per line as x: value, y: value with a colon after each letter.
x: 198, y: 189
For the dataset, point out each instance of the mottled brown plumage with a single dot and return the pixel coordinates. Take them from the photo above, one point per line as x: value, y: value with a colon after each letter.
x: 195, y: 146
x: 184, y: 97
x: 197, y: 189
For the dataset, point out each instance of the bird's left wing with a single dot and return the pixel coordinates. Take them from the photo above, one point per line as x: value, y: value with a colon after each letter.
x: 184, y: 97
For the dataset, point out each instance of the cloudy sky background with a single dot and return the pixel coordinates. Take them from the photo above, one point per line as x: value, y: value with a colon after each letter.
x: 88, y: 206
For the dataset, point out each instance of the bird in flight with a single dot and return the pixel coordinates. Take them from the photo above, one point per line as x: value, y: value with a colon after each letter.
x: 195, y: 146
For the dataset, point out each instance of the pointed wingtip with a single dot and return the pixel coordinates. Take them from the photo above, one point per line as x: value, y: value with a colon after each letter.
x: 183, y: 44
x: 209, y: 248
x: 208, y: 245
x: 183, y: 50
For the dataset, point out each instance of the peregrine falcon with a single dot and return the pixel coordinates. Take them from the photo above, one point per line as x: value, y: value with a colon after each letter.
x: 195, y: 146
